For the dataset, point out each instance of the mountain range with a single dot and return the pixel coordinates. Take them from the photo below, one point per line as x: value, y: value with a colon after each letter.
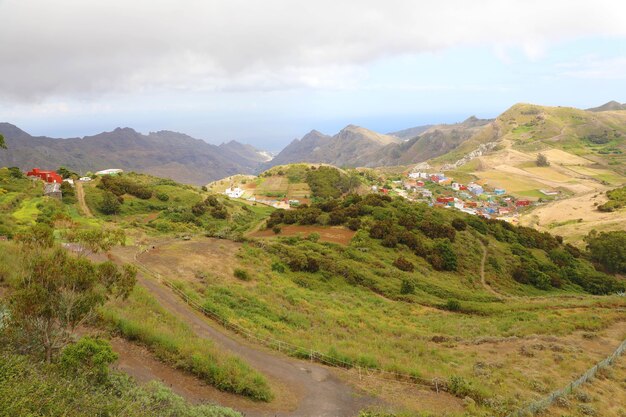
x: 164, y: 153
x: 189, y: 160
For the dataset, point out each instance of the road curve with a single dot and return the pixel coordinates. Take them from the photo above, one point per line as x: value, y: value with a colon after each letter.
x: 318, y: 392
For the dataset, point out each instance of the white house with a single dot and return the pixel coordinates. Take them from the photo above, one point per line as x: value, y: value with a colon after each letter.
x: 234, y: 192
x: 84, y: 179
x: 69, y: 181
x: 415, y: 175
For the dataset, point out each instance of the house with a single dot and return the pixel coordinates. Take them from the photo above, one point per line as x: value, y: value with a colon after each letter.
x: 410, y: 184
x: 84, y: 179
x: 456, y: 186
x: 234, y: 192
x: 522, y: 203
x: 504, y: 210
x: 111, y: 171
x: 69, y: 181
x: 499, y: 191
x: 47, y: 176
x: 416, y: 175
x: 420, y: 183
x: 475, y: 189
x: 53, y: 190
x: 445, y: 200
x: 427, y: 193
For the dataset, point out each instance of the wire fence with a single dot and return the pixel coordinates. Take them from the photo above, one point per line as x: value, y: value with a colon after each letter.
x: 542, y: 404
x: 295, y: 350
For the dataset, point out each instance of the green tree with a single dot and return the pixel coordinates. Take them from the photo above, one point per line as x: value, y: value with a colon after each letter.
x: 59, y: 292
x: 2, y: 144
x: 109, y: 203
x: 66, y: 173
x: 96, y: 240
x: 608, y: 249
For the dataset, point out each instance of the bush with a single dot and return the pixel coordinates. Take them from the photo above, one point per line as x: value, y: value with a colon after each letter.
x: 459, y: 224
x: 278, y: 267
x: 276, y: 229
x: 453, y: 305
x: 542, y: 160
x: 407, y: 287
x: 403, y: 264
x: 89, y: 357
x: 109, y: 203
x: 242, y: 274
x: 442, y: 256
x: 163, y: 196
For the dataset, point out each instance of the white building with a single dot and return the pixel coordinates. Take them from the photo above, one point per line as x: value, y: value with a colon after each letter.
x: 112, y: 171
x: 416, y: 175
x: 84, y: 179
x: 234, y: 192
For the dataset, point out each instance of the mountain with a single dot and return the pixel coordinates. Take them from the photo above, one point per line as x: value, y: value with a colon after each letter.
x: 356, y: 146
x: 164, y: 153
x: 345, y: 148
x: 610, y: 106
x: 411, y: 132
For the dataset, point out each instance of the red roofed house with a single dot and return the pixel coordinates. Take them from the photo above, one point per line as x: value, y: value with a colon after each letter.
x: 521, y: 203
x: 47, y: 176
x: 445, y: 199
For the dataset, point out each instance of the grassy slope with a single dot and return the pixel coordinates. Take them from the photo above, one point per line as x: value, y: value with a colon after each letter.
x: 375, y: 325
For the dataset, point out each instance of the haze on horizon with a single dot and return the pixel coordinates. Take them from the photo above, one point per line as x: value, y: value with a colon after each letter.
x: 266, y: 72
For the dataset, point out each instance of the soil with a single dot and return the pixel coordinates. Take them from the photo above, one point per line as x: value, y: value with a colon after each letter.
x: 80, y: 194
x: 339, y: 235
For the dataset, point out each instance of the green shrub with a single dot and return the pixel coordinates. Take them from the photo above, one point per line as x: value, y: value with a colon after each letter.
x: 453, y: 305
x: 403, y: 264
x: 242, y: 274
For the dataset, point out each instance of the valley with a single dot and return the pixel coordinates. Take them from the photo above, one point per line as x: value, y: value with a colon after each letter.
x: 312, y: 290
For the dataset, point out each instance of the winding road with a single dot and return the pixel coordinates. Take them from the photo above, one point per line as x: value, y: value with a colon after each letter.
x: 313, y: 389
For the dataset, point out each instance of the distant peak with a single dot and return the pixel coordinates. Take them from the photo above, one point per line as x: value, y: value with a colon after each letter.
x: 471, y: 119
x: 609, y: 106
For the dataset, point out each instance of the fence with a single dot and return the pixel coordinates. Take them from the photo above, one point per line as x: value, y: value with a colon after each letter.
x: 545, y: 402
x: 294, y: 350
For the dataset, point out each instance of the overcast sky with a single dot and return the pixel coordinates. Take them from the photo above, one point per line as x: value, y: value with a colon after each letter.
x: 264, y: 72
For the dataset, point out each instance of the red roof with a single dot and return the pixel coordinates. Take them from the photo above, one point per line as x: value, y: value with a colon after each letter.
x: 47, y: 176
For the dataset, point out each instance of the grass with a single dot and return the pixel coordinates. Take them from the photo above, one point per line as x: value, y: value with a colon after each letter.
x: 142, y: 319
x: 380, y: 329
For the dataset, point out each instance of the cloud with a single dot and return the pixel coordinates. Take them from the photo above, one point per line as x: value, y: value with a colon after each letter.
x: 78, y: 48
x: 594, y: 68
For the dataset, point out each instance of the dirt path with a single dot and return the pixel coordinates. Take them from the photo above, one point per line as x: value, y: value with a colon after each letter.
x: 80, y: 194
x: 316, y: 391
x: 482, y: 276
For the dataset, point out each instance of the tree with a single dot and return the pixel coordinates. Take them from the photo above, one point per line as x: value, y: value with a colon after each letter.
x: 89, y: 357
x: 608, y: 249
x: 2, y: 144
x: 96, y: 240
x: 109, y: 203
x: 542, y: 160
x: 66, y: 173
x: 59, y: 292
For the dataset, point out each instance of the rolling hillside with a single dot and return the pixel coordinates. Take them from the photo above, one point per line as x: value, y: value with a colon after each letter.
x: 168, y: 154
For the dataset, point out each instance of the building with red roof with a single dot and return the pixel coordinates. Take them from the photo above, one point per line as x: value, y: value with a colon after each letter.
x: 47, y: 176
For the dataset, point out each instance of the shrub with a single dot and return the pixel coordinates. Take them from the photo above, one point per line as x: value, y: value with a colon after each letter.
x: 453, y: 305
x: 443, y: 257
x: 542, y: 160
x: 459, y: 224
x: 89, y: 357
x: 403, y: 264
x: 242, y: 274
x: 407, y: 287
x: 162, y: 196
x: 109, y: 203
x: 278, y: 267
x: 276, y: 229
x: 354, y: 224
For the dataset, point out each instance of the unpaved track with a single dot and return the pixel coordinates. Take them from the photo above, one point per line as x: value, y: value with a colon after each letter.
x: 80, y: 193
x: 318, y: 392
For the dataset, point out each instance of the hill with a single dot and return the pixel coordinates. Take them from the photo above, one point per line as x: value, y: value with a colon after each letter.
x: 168, y: 154
x: 346, y: 148
x: 586, y: 156
x: 359, y: 147
x: 610, y: 106
x: 411, y: 132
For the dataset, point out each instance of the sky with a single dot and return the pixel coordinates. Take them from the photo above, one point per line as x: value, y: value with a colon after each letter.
x: 266, y: 72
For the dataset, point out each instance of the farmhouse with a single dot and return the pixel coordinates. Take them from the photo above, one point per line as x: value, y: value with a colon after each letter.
x: 84, y: 179
x: 522, y: 203
x: 47, y: 176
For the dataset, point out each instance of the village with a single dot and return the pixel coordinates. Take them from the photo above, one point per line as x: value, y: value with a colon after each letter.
x: 438, y: 190
x: 53, y: 180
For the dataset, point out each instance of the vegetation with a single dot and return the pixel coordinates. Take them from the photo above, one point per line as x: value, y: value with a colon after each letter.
x: 617, y: 200
x: 77, y: 386
x: 608, y: 249
x: 542, y: 160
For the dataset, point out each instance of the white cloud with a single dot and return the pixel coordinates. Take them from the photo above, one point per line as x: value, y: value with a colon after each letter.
x: 78, y: 48
x: 595, y: 69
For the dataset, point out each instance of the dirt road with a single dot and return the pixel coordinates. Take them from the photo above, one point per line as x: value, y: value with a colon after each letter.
x: 80, y: 194
x: 315, y: 389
